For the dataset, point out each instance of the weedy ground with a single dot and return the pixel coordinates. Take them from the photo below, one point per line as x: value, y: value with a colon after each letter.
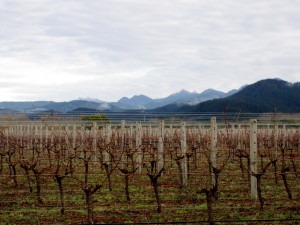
x: 19, y: 206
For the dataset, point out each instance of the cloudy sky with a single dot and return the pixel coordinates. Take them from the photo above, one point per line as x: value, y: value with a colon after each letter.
x: 61, y: 50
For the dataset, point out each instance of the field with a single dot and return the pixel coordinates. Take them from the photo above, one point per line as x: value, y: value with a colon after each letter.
x: 159, y: 172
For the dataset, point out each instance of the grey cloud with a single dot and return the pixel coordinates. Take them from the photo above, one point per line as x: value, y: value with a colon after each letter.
x: 140, y: 46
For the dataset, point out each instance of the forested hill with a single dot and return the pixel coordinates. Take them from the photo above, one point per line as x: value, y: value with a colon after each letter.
x: 270, y: 95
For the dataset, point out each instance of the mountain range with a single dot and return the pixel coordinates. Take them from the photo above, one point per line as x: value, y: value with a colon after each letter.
x: 269, y: 95
x: 137, y: 102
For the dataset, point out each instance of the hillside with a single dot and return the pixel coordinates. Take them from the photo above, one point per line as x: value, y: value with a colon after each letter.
x: 20, y: 106
x: 181, y: 97
x: 137, y: 102
x: 271, y: 95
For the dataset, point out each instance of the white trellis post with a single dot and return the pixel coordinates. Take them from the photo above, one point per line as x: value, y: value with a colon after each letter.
x: 81, y: 135
x: 171, y: 131
x: 51, y: 136
x: 130, y: 136
x: 138, y: 144
x: 239, y: 137
x: 94, y: 136
x: 213, y: 148
x: 284, y: 136
x: 183, y: 161
x: 122, y: 145
x: 40, y: 136
x: 36, y: 135
x: 233, y: 139
x: 67, y: 141
x: 149, y: 130
x: 253, y: 157
x: 276, y: 137
x: 74, y: 140
x: 20, y: 134
x: 7, y: 133
x: 106, y: 153
x: 46, y: 135
x: 160, y: 145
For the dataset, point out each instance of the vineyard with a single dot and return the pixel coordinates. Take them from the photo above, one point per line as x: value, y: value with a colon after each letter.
x: 209, y: 172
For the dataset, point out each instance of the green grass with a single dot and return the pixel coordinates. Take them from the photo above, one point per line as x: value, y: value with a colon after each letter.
x: 18, y: 206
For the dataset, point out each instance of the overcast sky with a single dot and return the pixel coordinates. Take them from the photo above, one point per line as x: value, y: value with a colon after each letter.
x: 61, y: 50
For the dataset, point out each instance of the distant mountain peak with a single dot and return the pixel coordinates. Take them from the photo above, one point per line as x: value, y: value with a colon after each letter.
x: 91, y: 100
x: 277, y: 78
x: 136, y: 100
x: 140, y: 96
x: 210, y: 91
x: 182, y: 93
x: 186, y: 91
x: 266, y: 95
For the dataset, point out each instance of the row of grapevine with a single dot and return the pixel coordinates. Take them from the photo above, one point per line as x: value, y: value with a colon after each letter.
x: 92, y: 154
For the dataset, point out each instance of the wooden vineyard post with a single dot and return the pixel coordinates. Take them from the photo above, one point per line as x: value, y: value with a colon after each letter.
x: 213, y: 148
x: 276, y: 138
x: 74, y: 151
x: 138, y: 144
x: 232, y: 135
x: 253, y: 157
x: 9, y: 130
x: 81, y: 134
x: 32, y: 135
x: 46, y: 135
x: 52, y: 136
x: 41, y: 136
x: 160, y: 146
x: 20, y: 134
x: 94, y: 136
x: 67, y: 141
x: 36, y: 134
x: 239, y: 137
x: 284, y: 136
x: 106, y: 152
x: 149, y: 130
x: 122, y: 150
x: 183, y: 161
